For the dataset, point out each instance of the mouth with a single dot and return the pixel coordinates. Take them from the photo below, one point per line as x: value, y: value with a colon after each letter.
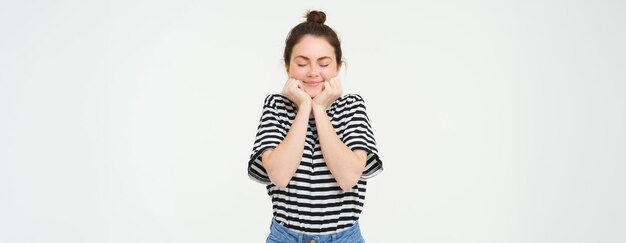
x: 312, y: 84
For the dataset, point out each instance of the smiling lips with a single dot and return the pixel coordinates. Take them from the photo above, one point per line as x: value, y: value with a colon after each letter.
x: 312, y: 84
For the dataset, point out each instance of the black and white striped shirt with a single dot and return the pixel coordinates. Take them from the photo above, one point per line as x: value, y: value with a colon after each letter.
x: 313, y: 202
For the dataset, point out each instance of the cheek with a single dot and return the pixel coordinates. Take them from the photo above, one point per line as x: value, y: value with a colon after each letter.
x: 327, y: 74
x: 297, y: 73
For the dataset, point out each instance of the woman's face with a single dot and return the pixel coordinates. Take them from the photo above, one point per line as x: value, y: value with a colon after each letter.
x: 313, y: 61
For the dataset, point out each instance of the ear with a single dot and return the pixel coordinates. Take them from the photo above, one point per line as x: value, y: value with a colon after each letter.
x: 339, y: 67
x: 287, y: 68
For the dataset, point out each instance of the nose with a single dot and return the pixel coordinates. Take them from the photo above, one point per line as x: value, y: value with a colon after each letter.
x: 313, y: 72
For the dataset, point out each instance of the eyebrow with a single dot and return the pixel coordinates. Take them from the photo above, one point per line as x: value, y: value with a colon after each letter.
x: 306, y: 58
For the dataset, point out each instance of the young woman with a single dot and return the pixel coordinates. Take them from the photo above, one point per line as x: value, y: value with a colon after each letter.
x: 314, y: 147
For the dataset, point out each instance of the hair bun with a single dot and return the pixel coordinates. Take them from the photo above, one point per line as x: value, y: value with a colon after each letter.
x: 316, y: 17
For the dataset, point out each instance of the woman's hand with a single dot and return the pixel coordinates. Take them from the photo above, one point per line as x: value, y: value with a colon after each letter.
x: 293, y: 91
x: 332, y: 90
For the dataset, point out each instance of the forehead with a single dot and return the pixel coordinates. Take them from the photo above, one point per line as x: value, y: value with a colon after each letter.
x: 313, y: 48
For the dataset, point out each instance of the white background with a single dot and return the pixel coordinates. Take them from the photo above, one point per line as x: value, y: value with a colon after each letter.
x: 133, y: 121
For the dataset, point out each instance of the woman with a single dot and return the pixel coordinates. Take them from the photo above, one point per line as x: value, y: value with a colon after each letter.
x: 314, y: 148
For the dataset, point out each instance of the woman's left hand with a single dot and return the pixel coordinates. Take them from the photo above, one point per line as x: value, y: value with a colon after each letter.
x: 332, y: 90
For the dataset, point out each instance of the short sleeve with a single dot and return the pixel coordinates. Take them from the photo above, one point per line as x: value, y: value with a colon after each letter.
x: 270, y: 133
x: 358, y: 135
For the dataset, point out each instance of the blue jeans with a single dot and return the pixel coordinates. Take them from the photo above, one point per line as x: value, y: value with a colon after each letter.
x: 281, y: 234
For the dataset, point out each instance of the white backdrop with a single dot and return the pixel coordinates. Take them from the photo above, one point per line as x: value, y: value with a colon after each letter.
x: 132, y: 121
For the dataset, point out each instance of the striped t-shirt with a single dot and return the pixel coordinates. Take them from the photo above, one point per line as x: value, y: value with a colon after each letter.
x: 313, y: 202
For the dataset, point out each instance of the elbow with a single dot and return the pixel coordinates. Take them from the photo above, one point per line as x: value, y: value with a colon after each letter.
x: 349, y: 180
x: 346, y: 187
x: 276, y: 175
x: 281, y: 184
x: 280, y: 181
x: 348, y: 184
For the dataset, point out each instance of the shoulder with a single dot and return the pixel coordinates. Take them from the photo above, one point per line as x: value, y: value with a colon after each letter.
x: 349, y: 100
x: 273, y: 100
x: 351, y: 97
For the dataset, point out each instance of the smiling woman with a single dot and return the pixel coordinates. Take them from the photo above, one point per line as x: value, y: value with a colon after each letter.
x: 314, y: 64
x: 314, y: 147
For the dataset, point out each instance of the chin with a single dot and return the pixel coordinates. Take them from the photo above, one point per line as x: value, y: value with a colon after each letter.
x: 313, y: 93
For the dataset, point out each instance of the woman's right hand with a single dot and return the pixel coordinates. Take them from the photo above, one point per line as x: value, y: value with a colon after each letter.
x: 293, y: 91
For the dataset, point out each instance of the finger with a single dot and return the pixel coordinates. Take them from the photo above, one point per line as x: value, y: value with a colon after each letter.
x: 327, y: 86
x: 329, y: 82
x: 288, y: 84
x: 337, y: 80
x: 338, y: 85
x: 289, y: 88
x: 295, y: 85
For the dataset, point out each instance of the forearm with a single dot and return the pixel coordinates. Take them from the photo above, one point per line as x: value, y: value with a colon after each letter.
x: 344, y: 164
x: 282, y: 162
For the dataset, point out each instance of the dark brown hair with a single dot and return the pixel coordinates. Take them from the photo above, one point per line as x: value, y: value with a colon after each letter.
x: 314, y: 25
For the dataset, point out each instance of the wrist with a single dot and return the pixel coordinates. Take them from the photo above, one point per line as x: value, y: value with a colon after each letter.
x: 317, y: 108
x: 306, y: 105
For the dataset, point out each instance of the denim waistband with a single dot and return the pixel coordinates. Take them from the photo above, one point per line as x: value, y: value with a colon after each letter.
x: 352, y: 232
